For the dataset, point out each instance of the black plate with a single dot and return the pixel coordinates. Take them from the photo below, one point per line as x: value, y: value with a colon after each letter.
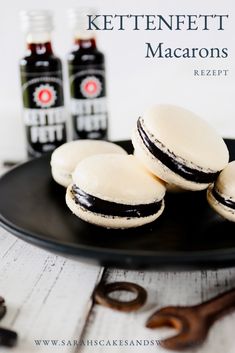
x: 188, y: 235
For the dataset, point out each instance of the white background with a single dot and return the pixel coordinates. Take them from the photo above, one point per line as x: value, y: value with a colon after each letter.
x: 134, y: 82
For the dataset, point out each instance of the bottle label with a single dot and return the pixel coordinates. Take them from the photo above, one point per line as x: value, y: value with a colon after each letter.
x: 88, y: 103
x: 43, y: 113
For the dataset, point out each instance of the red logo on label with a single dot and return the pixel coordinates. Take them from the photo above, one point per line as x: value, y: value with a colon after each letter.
x: 44, y: 96
x: 91, y: 87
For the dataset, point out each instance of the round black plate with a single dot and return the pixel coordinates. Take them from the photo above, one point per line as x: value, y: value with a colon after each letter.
x: 188, y: 235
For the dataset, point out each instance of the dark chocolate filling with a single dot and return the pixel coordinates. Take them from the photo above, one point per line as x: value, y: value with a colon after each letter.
x: 169, y: 160
x: 108, y: 208
x: 221, y: 199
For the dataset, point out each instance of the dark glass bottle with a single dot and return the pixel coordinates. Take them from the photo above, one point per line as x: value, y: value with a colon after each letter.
x: 42, y: 88
x: 86, y: 65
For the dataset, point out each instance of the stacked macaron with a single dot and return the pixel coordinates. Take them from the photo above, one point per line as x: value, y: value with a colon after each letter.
x: 115, y: 191
x: 221, y: 194
x: 179, y: 147
x: 173, y: 148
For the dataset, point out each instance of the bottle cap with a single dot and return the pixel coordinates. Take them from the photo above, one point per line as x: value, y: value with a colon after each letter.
x: 36, y: 21
x: 78, y: 21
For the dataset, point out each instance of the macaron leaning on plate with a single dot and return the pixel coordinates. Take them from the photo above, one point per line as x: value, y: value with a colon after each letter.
x: 179, y: 147
x: 65, y: 158
x: 221, y: 194
x: 115, y: 191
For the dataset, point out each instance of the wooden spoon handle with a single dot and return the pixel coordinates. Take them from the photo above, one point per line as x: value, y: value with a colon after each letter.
x: 218, y: 306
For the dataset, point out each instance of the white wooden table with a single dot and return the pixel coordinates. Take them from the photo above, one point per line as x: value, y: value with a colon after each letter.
x: 49, y: 303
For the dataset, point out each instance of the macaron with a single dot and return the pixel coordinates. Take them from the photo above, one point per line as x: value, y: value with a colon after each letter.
x: 115, y: 191
x: 221, y: 194
x: 179, y: 147
x: 65, y: 158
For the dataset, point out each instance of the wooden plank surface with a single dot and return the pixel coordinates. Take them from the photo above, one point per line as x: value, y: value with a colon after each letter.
x: 48, y: 296
x: 164, y: 288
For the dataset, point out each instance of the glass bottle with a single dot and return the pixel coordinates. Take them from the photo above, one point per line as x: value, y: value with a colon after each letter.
x: 86, y: 66
x: 42, y: 86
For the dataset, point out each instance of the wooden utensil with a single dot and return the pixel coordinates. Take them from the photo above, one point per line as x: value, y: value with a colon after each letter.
x: 192, y: 322
x: 102, y: 291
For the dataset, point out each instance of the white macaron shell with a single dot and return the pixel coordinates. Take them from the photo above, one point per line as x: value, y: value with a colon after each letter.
x: 61, y: 177
x: 225, y: 184
x: 118, y: 178
x: 187, y: 136
x: 68, y: 155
